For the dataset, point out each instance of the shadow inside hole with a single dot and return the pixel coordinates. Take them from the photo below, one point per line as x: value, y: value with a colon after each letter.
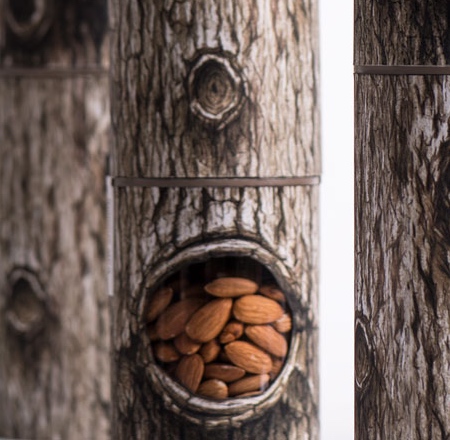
x: 22, y: 10
x: 27, y: 311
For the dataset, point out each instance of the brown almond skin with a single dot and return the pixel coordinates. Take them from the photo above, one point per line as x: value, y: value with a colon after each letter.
x: 283, y: 324
x: 257, y: 309
x: 207, y: 322
x: 185, y: 345
x: 230, y: 287
x: 166, y: 352
x: 273, y: 292
x: 173, y: 320
x: 190, y: 371
x: 213, y: 388
x: 224, y: 372
x: 266, y: 337
x: 249, y: 384
x: 209, y: 351
x: 277, y: 364
x: 232, y: 331
x: 249, y: 357
x: 158, y: 302
x: 249, y: 394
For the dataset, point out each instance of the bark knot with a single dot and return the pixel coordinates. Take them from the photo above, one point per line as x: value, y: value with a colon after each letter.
x: 29, y: 20
x: 216, y: 90
x: 26, y: 309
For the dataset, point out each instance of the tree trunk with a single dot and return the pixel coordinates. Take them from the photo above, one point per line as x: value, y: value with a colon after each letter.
x: 216, y: 161
x: 54, y: 120
x: 402, y: 230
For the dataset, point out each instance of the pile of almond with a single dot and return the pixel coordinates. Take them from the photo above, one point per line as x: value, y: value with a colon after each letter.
x: 228, y: 338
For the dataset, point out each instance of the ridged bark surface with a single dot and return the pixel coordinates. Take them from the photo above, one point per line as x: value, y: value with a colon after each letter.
x: 154, y: 227
x: 273, y: 47
x: 395, y: 33
x: 402, y: 230
x: 216, y: 89
x: 54, y: 313
x: 402, y: 266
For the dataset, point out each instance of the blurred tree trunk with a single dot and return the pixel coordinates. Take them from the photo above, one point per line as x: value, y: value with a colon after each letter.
x: 54, y: 121
x: 223, y: 90
x: 402, y: 223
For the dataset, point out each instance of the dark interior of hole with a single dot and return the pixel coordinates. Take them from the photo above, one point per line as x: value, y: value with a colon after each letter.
x: 24, y: 302
x: 205, y: 272
x: 213, y: 70
x: 22, y: 10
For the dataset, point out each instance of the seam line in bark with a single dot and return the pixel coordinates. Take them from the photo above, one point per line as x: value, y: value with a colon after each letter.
x: 220, y: 182
x: 52, y: 72
x: 401, y: 70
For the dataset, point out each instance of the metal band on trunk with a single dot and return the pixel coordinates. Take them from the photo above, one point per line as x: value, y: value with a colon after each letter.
x: 224, y: 182
x: 402, y: 70
x: 53, y: 72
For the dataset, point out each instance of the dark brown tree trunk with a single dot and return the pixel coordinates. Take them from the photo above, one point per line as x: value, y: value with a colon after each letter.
x: 402, y: 222
x: 54, y: 318
x: 225, y: 91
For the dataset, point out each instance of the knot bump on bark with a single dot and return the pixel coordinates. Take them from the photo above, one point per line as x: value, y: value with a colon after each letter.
x: 216, y: 90
x: 26, y: 309
x: 29, y: 20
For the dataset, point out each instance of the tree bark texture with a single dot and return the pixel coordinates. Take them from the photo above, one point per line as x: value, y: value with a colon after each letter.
x: 402, y: 234
x: 274, y: 50
x: 54, y: 324
x: 169, y: 61
x: 402, y: 33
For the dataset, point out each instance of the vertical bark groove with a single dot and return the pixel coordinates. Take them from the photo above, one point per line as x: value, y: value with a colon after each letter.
x: 402, y: 276
x: 402, y: 245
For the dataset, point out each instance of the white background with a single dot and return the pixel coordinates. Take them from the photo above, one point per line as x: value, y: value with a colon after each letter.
x: 336, y: 289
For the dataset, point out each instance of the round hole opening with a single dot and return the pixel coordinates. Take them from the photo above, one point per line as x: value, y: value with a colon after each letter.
x: 214, y: 88
x: 22, y: 10
x: 221, y: 328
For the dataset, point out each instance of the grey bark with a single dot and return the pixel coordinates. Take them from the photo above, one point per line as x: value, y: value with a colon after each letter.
x: 265, y: 58
x: 402, y: 235
x: 54, y: 317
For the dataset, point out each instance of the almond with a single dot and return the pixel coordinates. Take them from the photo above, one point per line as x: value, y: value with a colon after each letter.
x: 232, y: 331
x: 283, y: 324
x: 231, y: 287
x: 273, y: 292
x: 209, y: 351
x: 257, y: 309
x: 247, y: 356
x: 248, y: 384
x: 158, y: 302
x: 173, y: 320
x: 190, y: 371
x: 249, y: 394
x: 207, y: 322
x: 268, y: 339
x: 276, y: 366
x: 185, y: 345
x: 224, y: 372
x: 213, y: 388
x: 166, y: 352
